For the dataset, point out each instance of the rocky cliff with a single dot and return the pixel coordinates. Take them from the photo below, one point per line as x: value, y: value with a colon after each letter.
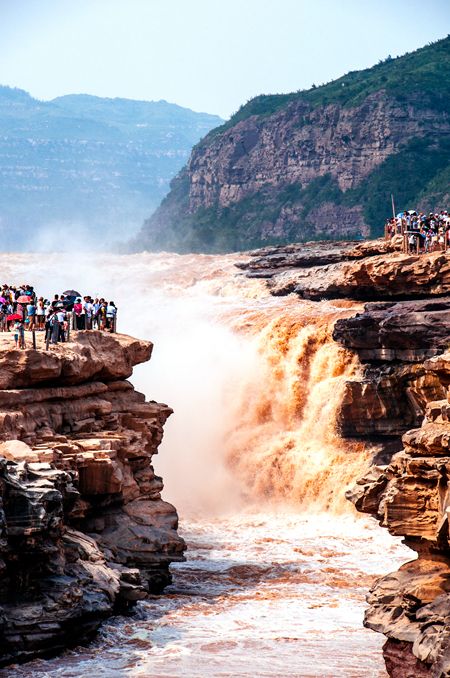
x: 411, y: 497
x: 392, y: 337
x: 83, y: 529
x: 398, y: 407
x: 318, y: 163
x: 403, y: 390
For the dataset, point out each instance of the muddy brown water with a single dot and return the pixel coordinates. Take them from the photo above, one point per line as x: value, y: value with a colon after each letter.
x: 278, y: 564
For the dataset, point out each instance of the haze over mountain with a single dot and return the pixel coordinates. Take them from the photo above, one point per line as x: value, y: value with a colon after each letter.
x: 84, y: 167
x: 316, y: 164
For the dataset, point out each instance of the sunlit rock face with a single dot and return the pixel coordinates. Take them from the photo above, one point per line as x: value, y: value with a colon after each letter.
x: 393, y: 340
x: 84, y: 531
x: 387, y: 276
x: 411, y: 497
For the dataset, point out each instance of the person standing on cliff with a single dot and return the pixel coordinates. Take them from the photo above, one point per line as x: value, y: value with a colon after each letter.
x: 40, y: 313
x: 31, y: 313
x: 61, y: 316
x: 95, y: 310
x: 54, y: 328
x: 88, y: 308
x: 102, y: 314
x: 403, y: 222
x: 21, y: 333
x: 111, y: 311
x: 77, y: 309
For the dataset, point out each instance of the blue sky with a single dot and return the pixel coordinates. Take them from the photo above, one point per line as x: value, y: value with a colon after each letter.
x: 208, y: 55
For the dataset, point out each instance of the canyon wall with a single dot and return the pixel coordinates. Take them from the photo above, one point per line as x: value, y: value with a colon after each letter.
x: 398, y: 406
x: 392, y: 337
x: 410, y: 496
x: 84, y: 532
x: 316, y: 163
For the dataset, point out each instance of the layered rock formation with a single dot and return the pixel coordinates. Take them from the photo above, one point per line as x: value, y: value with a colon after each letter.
x: 392, y: 339
x: 375, y: 269
x: 268, y: 262
x: 321, y: 162
x: 390, y: 276
x: 411, y: 497
x: 84, y: 531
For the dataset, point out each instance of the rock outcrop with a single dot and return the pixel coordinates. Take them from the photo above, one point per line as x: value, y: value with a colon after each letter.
x: 83, y: 529
x: 267, y: 261
x: 393, y: 340
x: 410, y: 496
x: 387, y: 276
x: 373, y: 269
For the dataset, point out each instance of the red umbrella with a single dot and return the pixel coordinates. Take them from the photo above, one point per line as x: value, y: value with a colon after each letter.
x: 24, y: 298
x: 14, y: 316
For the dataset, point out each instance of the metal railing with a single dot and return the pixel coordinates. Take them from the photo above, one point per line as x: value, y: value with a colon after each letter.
x: 417, y: 246
x: 110, y: 325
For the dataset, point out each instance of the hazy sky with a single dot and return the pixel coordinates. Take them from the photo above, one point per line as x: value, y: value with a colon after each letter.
x: 208, y: 55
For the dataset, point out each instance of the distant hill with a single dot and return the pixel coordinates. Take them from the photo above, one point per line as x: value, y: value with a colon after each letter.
x: 87, y: 167
x: 315, y: 164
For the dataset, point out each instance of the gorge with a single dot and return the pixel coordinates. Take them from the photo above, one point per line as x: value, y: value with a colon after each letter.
x: 256, y: 461
x: 84, y: 529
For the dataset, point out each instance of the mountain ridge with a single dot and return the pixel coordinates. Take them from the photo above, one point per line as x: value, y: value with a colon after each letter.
x: 87, y: 166
x: 316, y: 164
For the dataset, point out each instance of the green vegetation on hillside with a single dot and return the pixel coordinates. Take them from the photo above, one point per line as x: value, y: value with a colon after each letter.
x: 419, y: 174
x: 426, y: 71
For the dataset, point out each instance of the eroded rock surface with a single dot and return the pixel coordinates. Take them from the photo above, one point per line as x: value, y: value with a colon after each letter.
x: 394, y: 341
x: 83, y: 529
x: 387, y: 276
x: 267, y: 261
x: 89, y: 355
x: 369, y: 270
x: 411, y: 497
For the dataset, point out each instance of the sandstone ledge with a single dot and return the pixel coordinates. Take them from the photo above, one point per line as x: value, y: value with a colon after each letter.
x: 84, y: 532
x: 89, y: 355
x: 386, y: 276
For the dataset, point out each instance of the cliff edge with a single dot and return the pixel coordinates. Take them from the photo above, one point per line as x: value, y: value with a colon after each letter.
x: 83, y: 529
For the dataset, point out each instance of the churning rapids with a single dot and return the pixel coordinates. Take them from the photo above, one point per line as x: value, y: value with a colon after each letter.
x: 278, y: 563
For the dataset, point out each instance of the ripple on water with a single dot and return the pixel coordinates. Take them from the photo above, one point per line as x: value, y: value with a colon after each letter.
x: 260, y: 595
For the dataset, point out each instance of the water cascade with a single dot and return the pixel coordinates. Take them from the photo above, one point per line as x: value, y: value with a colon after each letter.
x: 278, y: 562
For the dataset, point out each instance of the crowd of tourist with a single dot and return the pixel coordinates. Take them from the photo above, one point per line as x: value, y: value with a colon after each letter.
x: 21, y: 310
x: 424, y: 232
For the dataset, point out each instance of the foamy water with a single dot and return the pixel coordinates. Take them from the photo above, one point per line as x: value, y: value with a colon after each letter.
x: 278, y: 562
x: 261, y: 594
